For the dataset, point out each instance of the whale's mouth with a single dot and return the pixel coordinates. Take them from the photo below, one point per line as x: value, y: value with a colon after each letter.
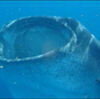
x: 33, y: 36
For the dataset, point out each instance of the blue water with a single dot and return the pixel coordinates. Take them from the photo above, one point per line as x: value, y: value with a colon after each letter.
x: 87, y: 12
x: 18, y: 79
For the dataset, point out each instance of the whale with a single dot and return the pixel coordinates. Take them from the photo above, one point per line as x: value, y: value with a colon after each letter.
x: 49, y: 57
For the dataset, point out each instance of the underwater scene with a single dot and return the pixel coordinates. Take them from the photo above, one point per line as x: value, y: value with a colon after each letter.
x: 50, y: 49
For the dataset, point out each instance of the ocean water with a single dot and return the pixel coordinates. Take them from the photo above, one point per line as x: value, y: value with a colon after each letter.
x: 76, y: 74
